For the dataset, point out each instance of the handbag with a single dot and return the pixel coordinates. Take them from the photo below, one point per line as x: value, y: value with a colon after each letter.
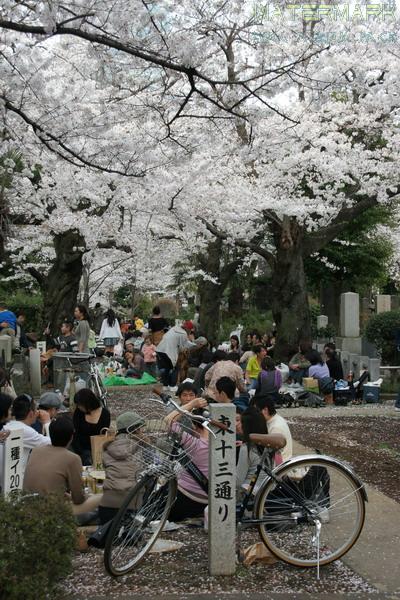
x: 96, y: 444
x: 97, y: 539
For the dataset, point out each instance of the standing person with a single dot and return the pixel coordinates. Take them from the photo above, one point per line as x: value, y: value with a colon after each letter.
x: 82, y: 328
x: 157, y: 325
x: 150, y: 357
x: 196, y: 318
x: 253, y: 368
x: 110, y: 332
x: 174, y: 341
x: 138, y: 322
x: 89, y: 418
x: 97, y: 317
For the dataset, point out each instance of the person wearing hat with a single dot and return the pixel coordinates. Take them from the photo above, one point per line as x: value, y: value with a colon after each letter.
x: 199, y: 356
x: 49, y: 405
x: 120, y: 464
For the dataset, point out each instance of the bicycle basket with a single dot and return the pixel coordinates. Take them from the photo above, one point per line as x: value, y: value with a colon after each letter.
x: 163, y: 446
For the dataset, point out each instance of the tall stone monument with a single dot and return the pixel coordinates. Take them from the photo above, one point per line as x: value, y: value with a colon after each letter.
x: 349, y: 339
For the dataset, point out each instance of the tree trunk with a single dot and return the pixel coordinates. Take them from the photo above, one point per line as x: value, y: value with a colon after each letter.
x: 289, y: 297
x: 211, y: 293
x: 235, y: 299
x: 330, y: 301
x: 60, y: 287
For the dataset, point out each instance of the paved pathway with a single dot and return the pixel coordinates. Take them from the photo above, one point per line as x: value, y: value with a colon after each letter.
x: 375, y: 556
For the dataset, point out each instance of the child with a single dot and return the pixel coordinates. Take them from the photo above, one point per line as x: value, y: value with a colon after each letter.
x: 150, y: 357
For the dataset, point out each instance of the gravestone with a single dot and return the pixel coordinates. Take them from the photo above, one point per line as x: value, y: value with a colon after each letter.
x: 35, y: 375
x: 383, y: 303
x: 222, y: 493
x: 395, y: 302
x: 11, y: 455
x: 354, y: 365
x: 5, y: 348
x: 322, y: 321
x: 349, y: 339
x: 344, y: 356
x: 374, y: 368
x: 364, y: 364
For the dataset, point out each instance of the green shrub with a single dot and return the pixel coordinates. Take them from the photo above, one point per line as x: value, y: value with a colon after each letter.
x: 37, y: 542
x: 250, y: 319
x: 30, y: 303
x: 381, y: 330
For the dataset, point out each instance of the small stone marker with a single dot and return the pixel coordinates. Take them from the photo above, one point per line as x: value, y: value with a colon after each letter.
x: 12, y: 451
x: 222, y: 493
x: 322, y: 321
x: 374, y: 368
x: 5, y: 348
x: 34, y: 371
x: 383, y: 303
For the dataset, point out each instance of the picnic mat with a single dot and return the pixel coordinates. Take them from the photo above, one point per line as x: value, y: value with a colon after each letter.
x: 118, y: 380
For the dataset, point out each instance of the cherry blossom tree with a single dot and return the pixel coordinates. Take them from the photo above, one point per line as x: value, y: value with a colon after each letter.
x: 269, y: 136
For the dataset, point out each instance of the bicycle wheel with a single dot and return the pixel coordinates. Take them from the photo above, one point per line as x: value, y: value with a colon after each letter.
x: 138, y: 523
x: 306, y: 490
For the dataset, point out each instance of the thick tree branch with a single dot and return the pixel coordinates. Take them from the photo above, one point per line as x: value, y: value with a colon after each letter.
x: 249, y: 245
x: 319, y: 239
x: 61, y: 149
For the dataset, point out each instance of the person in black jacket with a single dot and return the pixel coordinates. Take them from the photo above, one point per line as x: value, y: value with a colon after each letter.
x: 334, y: 364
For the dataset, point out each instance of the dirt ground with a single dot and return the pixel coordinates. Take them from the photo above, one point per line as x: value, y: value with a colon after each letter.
x: 367, y: 440
x: 370, y: 444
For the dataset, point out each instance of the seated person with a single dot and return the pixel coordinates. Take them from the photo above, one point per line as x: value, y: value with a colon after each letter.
x: 49, y: 405
x: 5, y: 416
x: 54, y: 469
x: 25, y: 414
x: 89, y: 418
x: 225, y: 390
x: 192, y: 499
x: 334, y: 365
x: 253, y: 367
x: 133, y: 364
x: 270, y: 379
x: 299, y: 364
x: 8, y: 323
x: 279, y: 437
x: 120, y: 465
x: 320, y: 371
x: 247, y: 454
x: 223, y: 367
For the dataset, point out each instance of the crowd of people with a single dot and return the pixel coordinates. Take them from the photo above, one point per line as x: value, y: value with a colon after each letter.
x: 57, y: 443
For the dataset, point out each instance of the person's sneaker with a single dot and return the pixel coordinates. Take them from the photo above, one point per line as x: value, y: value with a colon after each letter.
x: 173, y: 388
x: 397, y: 408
